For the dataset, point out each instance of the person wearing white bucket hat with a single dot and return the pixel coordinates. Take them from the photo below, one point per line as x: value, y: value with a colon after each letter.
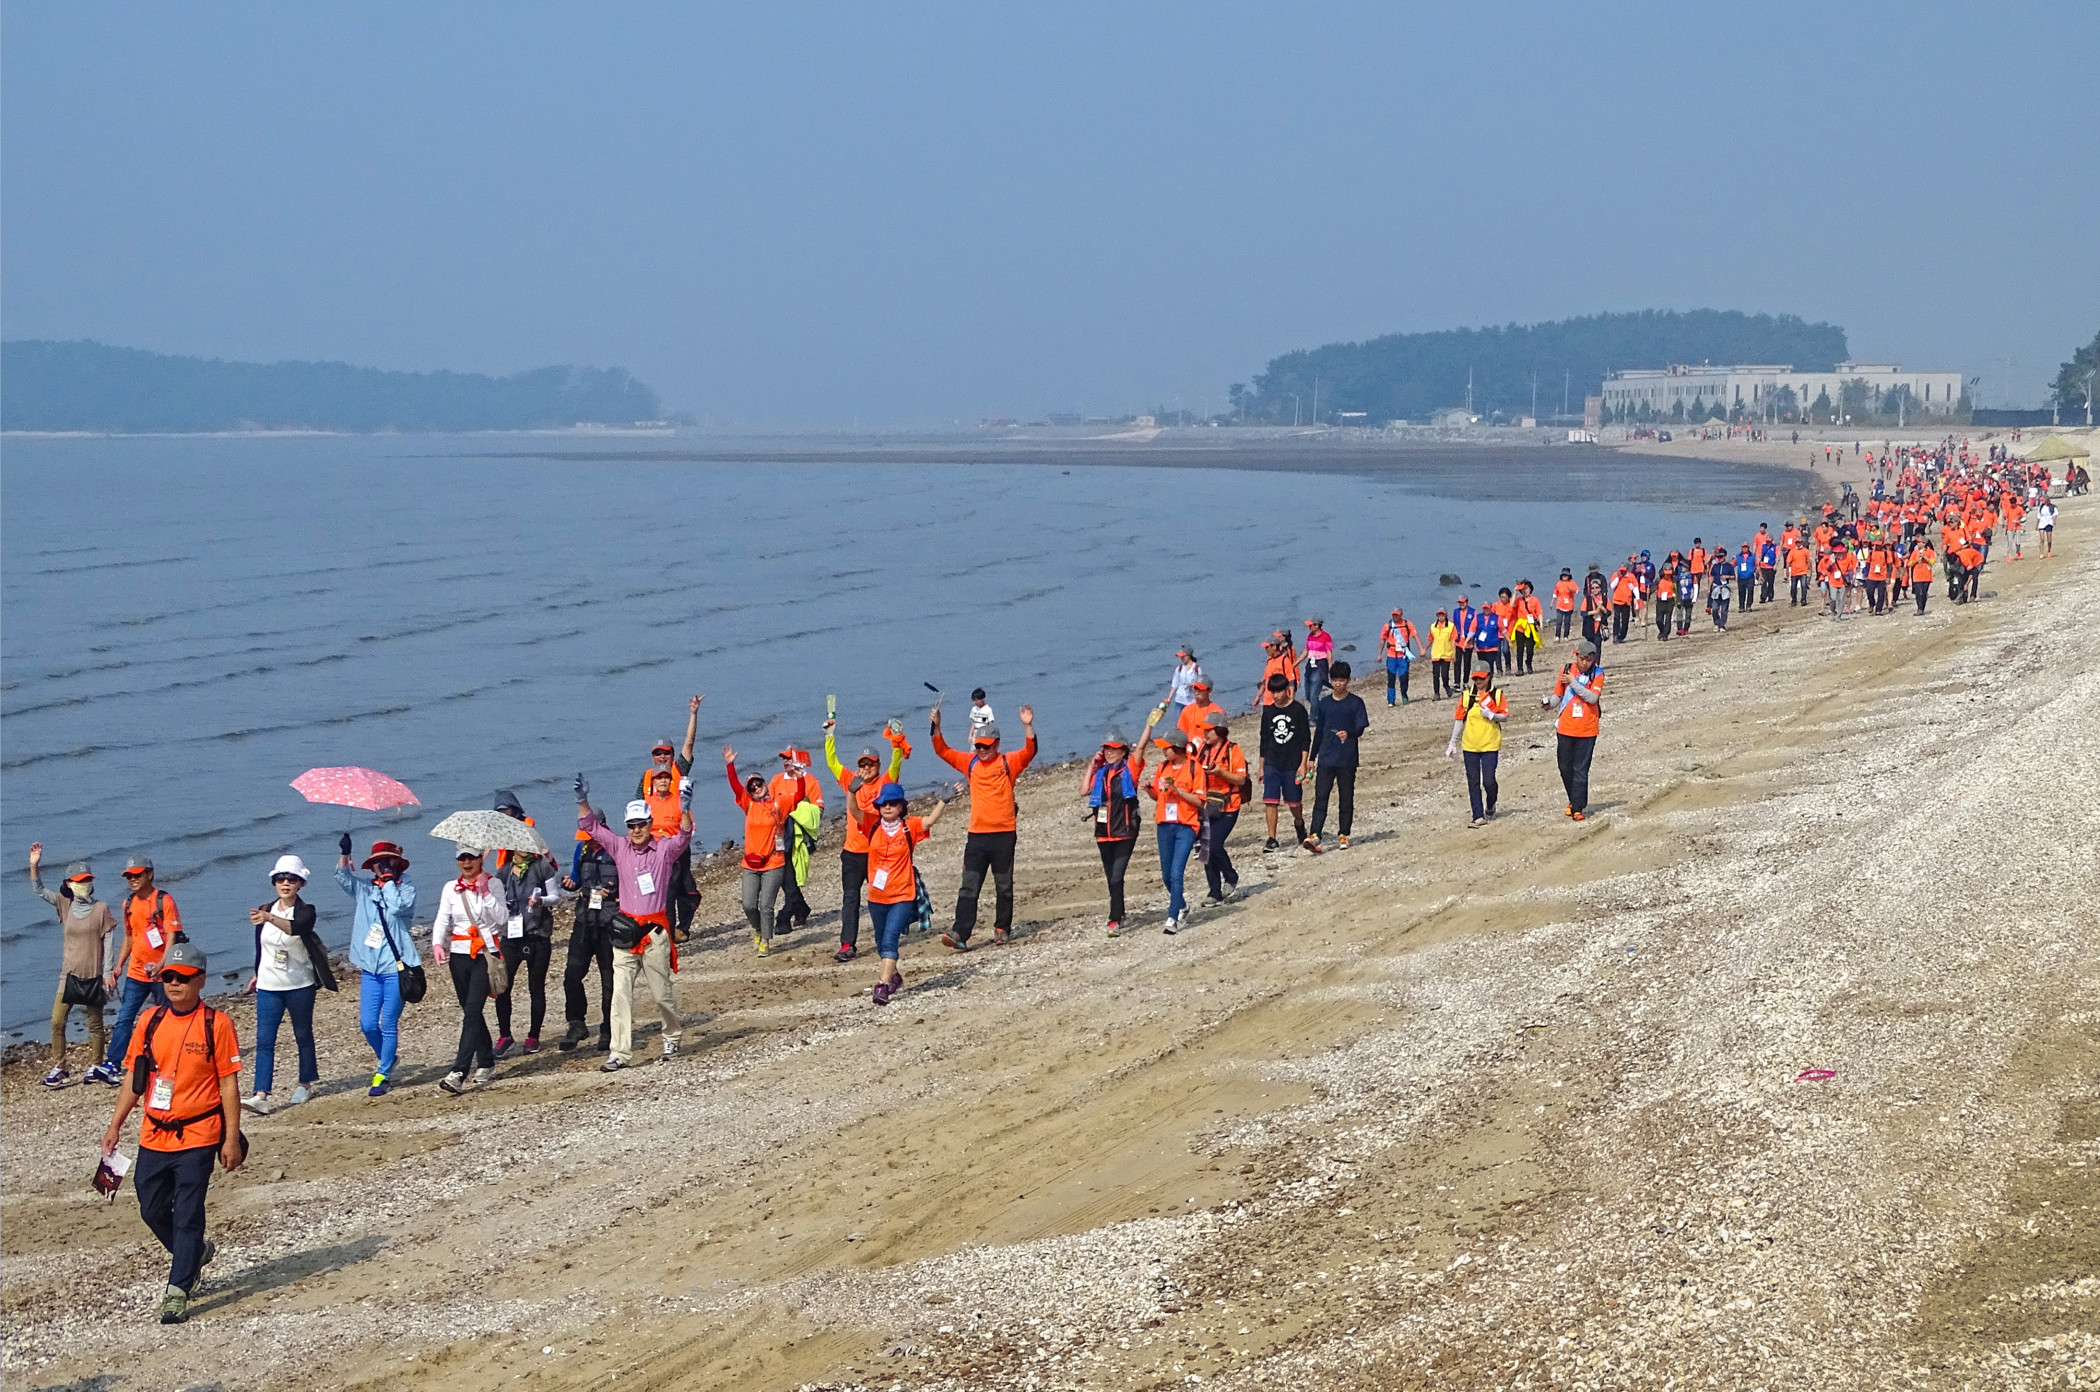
x: 291, y: 966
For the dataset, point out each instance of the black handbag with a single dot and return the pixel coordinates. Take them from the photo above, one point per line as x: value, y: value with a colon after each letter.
x: 413, y: 982
x: 626, y: 934
x: 84, y: 990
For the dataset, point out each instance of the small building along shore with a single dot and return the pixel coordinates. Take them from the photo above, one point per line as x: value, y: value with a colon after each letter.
x: 1777, y: 393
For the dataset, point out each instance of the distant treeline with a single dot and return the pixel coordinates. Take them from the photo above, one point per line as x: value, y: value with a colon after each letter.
x: 1409, y: 376
x: 47, y: 385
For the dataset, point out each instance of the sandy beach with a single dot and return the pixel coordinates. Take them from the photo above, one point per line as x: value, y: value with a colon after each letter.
x: 1512, y: 1107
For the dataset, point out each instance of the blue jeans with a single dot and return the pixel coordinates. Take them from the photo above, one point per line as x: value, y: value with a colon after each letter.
x: 137, y: 995
x: 1176, y: 840
x: 1217, y: 864
x: 889, y: 922
x: 1480, y: 778
x: 270, y: 1008
x: 379, y: 1015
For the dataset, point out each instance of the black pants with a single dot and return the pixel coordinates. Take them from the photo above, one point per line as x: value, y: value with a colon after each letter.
x: 1766, y: 578
x: 1217, y: 861
x: 470, y: 982
x: 171, y: 1185
x: 586, y: 945
x: 1465, y: 665
x: 685, y: 896
x: 1574, y: 756
x: 853, y: 878
x: 1481, y: 787
x: 1563, y: 620
x: 1326, y: 777
x: 535, y: 954
x: 1921, y: 590
x: 1745, y: 593
x: 1621, y: 619
x: 1877, y: 596
x: 1440, y: 677
x: 1526, y: 646
x: 1593, y: 628
x: 794, y: 909
x: 1115, y: 863
x: 1684, y: 615
x: 986, y: 850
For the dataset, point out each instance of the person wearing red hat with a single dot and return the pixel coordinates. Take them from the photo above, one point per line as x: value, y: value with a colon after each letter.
x: 151, y: 924
x: 1191, y: 721
x: 382, y: 947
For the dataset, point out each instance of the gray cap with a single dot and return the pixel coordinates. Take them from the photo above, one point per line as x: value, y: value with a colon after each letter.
x: 1585, y: 648
x: 506, y: 801
x: 1174, y: 739
x: 138, y: 862
x: 78, y: 869
x: 1114, y: 738
x: 867, y: 756
x: 183, y: 953
x: 985, y: 732
x: 1217, y: 720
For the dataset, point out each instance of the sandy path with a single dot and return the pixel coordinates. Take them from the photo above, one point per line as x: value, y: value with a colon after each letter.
x: 1509, y: 1107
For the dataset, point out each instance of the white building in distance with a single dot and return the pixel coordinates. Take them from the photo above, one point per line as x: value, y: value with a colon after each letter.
x: 1675, y: 393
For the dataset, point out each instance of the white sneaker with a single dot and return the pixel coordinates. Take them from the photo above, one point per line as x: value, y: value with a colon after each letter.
x: 482, y: 1076
x: 670, y: 1049
x: 300, y: 1094
x: 1173, y: 926
x: 258, y: 1103
x: 454, y: 1082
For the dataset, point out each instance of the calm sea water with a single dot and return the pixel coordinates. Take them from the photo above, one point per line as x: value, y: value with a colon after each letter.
x: 191, y: 623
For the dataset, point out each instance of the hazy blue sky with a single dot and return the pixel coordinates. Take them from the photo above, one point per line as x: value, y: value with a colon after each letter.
x: 779, y: 212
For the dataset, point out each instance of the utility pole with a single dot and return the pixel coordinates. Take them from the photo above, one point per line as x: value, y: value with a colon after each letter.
x: 1534, y: 396
x: 1316, y: 401
x: 1469, y: 389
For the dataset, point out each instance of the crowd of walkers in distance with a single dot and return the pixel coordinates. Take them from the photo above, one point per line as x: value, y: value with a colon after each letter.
x: 1930, y: 513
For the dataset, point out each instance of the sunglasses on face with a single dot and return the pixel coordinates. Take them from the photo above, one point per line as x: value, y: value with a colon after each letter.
x: 180, y: 975
x: 286, y: 879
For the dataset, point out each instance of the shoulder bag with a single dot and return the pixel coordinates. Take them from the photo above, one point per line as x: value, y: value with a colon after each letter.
x: 413, y: 982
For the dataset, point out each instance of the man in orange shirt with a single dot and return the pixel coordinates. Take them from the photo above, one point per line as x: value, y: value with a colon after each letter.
x: 1226, y: 765
x: 151, y: 924
x: 1195, y: 713
x: 1797, y: 559
x: 993, y: 828
x: 1579, y: 693
x: 184, y: 1070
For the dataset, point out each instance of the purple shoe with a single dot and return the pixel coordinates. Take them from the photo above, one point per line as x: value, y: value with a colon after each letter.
x: 882, y: 992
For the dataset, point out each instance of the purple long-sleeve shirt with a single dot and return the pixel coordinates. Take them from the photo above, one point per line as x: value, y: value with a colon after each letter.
x: 645, y: 872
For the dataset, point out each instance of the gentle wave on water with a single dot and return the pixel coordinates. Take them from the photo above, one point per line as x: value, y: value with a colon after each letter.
x: 502, y: 619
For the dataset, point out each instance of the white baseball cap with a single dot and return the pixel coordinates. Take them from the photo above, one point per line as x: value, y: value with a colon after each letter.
x: 637, y: 811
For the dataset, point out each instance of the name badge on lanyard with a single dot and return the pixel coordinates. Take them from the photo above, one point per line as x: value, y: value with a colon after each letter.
x: 645, y: 882
x: 163, y: 1097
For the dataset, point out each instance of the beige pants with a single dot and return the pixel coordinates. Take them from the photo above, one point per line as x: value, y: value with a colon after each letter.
x: 655, y: 960
x: 98, y: 1037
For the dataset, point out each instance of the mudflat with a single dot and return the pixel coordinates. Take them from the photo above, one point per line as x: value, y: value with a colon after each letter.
x: 1516, y: 1106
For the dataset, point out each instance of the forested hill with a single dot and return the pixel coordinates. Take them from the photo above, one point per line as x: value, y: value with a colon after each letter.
x: 1407, y: 376
x: 47, y: 385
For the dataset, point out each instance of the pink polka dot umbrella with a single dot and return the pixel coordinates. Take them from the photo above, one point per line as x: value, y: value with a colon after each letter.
x: 364, y: 788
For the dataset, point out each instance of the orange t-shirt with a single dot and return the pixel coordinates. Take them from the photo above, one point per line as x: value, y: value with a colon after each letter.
x: 891, y: 879
x: 1180, y: 794
x: 1578, y: 717
x: 1564, y: 596
x: 185, y: 1080
x: 1192, y: 717
x: 991, y: 782
x: 765, y: 827
x: 150, y: 926
x: 1227, y: 758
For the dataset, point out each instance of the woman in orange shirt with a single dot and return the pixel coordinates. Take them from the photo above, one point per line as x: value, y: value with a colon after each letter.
x: 765, y: 851
x: 893, y: 880
x: 1179, y: 789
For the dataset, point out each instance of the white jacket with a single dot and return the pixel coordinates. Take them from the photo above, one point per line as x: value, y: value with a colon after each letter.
x: 462, y: 915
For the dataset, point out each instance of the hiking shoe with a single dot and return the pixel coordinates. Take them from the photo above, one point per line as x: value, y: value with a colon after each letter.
x: 1476, y: 824
x: 1211, y: 901
x: 380, y: 1087
x: 612, y: 1065
x: 846, y: 953
x: 1173, y: 926
x: 258, y: 1103
x: 57, y: 1078
x: 102, y: 1073
x: 454, y: 1082
x: 1579, y: 816
x: 1115, y: 926
x: 532, y: 1043
x: 1002, y: 936
x: 211, y: 1249
x: 482, y: 1076
x: 1311, y: 843
x: 1342, y: 841
x: 300, y: 1094
x: 1272, y: 844
x: 175, y: 1306
x: 1567, y: 812
x: 955, y: 944
x: 758, y: 942
x: 670, y: 1050
x: 576, y: 1035
x: 882, y: 992
x: 504, y: 1045
x: 1232, y: 892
